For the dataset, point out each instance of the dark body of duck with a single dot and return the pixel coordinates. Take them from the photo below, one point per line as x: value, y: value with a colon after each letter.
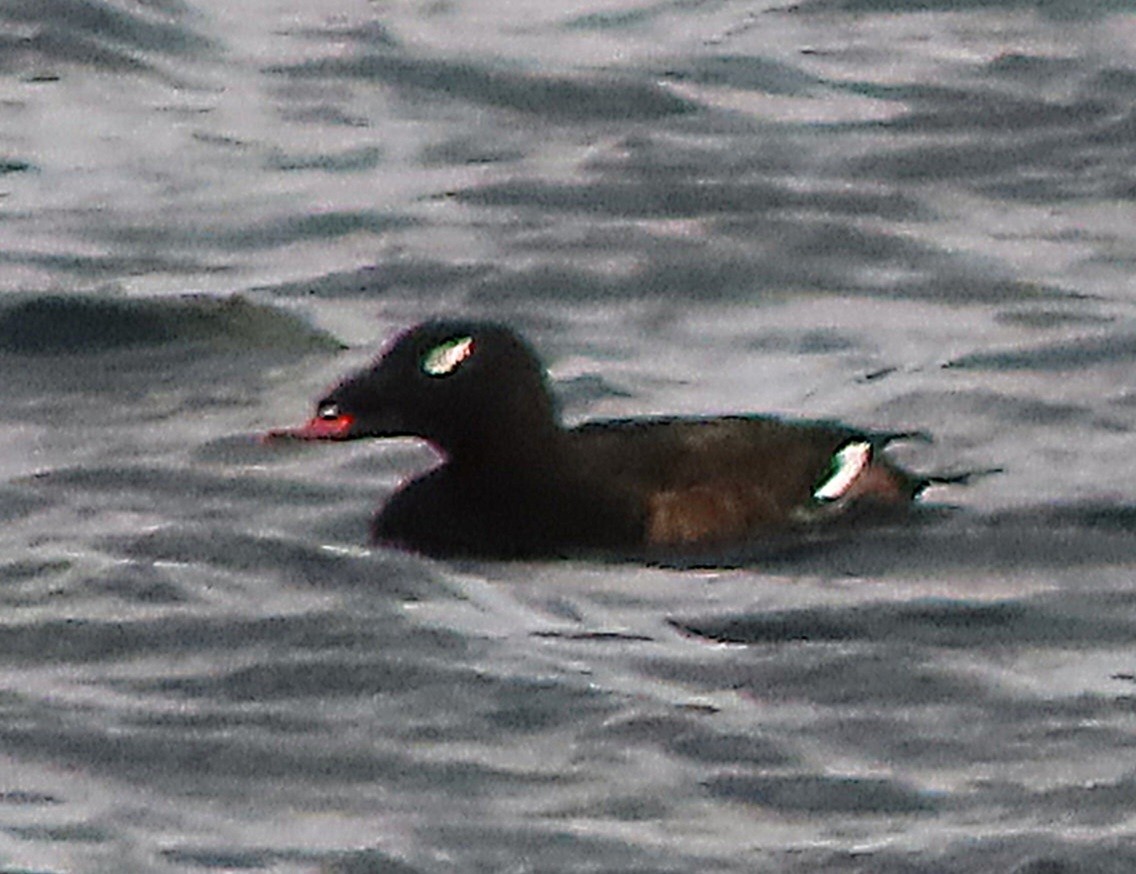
x: 515, y: 483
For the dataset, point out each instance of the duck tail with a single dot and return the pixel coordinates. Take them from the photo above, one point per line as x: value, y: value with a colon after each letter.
x: 916, y: 484
x: 963, y: 478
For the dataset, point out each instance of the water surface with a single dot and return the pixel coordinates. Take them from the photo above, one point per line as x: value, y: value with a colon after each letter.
x: 905, y: 216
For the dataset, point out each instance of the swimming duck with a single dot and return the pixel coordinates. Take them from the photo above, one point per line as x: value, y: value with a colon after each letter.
x: 514, y: 482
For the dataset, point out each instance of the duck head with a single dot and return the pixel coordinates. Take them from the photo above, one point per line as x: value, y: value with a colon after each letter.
x: 462, y: 386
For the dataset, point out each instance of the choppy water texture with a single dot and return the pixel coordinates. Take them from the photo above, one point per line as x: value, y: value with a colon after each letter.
x: 902, y: 215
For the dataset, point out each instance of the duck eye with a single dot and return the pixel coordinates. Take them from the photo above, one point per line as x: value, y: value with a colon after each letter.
x: 444, y: 358
x: 328, y: 412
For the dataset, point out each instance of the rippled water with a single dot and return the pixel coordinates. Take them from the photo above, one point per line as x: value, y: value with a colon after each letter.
x: 902, y: 215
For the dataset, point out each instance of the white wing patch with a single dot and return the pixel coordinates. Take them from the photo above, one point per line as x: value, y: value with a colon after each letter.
x: 444, y: 358
x: 847, y: 464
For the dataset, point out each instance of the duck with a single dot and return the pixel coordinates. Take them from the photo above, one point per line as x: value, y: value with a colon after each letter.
x: 515, y: 483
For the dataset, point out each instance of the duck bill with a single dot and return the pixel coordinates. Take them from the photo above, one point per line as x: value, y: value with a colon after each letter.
x: 318, y: 428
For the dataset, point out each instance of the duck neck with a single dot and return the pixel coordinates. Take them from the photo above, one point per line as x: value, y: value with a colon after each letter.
x: 507, y: 452
x: 507, y: 442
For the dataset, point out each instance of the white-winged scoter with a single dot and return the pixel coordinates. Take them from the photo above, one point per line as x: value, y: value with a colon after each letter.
x: 516, y: 483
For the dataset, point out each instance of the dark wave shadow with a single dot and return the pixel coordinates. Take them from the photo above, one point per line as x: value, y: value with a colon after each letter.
x: 1056, y: 9
x: 1065, y: 355
x: 745, y: 72
x: 97, y: 35
x: 812, y: 794
x: 271, y: 234
x: 557, y: 98
x: 1041, y: 851
x: 75, y: 324
x: 958, y: 623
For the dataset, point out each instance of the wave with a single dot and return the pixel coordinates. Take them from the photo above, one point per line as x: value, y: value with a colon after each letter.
x: 39, y: 34
x: 76, y: 324
x: 561, y: 98
x: 1065, y: 355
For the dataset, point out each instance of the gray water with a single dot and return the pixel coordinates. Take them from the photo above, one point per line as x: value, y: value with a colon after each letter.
x: 901, y: 215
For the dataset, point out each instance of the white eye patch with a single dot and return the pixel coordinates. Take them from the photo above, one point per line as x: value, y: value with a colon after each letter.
x: 845, y: 466
x: 444, y: 358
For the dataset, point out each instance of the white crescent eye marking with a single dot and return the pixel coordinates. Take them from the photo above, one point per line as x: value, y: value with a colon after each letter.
x: 444, y: 358
x: 846, y: 465
x: 328, y: 411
